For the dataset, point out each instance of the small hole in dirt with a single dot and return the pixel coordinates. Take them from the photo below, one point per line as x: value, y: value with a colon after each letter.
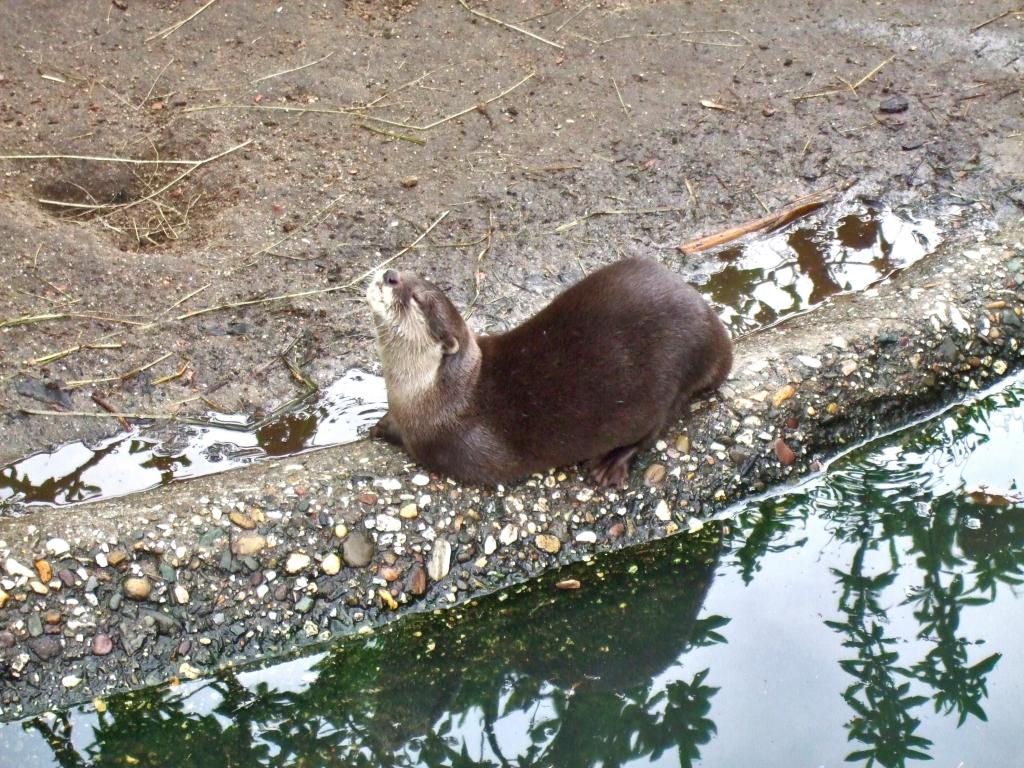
x: 140, y: 205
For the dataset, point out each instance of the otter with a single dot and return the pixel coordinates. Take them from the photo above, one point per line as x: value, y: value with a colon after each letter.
x: 593, y: 377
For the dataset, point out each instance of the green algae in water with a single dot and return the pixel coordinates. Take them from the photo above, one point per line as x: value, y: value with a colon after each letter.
x: 867, y: 618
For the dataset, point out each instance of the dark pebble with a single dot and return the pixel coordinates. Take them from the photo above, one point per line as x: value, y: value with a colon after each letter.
x: 256, y: 578
x: 303, y: 505
x: 67, y: 578
x: 357, y: 551
x: 739, y: 456
x: 783, y: 452
x: 211, y: 536
x: 911, y: 144
x: 168, y: 573
x: 949, y: 351
x: 616, y: 531
x: 35, y: 625
x: 281, y: 592
x: 45, y: 647
x: 184, y: 647
x: 102, y: 645
x: 132, y: 641
x: 6, y: 639
x: 416, y: 582
x: 894, y: 104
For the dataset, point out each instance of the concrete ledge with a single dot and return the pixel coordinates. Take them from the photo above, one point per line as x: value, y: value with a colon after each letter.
x: 111, y: 596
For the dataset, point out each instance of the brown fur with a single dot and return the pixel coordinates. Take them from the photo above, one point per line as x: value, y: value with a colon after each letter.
x: 595, y: 376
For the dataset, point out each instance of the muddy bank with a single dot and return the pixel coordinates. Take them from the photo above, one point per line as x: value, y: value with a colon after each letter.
x: 330, y: 138
x: 219, y: 570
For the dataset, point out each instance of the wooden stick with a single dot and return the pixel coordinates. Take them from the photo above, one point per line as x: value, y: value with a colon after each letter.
x: 507, y: 25
x: 795, y: 210
x: 102, y: 403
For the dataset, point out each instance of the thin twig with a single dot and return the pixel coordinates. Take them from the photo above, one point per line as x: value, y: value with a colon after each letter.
x: 393, y: 91
x: 311, y: 222
x: 350, y: 112
x: 167, y: 32
x: 994, y: 19
x: 53, y: 356
x: 99, y: 159
x: 507, y: 25
x: 183, y: 299
x: 176, y: 375
x: 619, y: 94
x: 357, y: 113
x: 117, y: 415
x: 849, y: 87
x: 562, y: 26
x: 125, y: 206
x: 28, y: 319
x: 453, y: 116
x: 871, y: 74
x: 393, y: 135
x: 159, y: 75
x: 616, y: 212
x: 316, y: 291
x: 293, y: 69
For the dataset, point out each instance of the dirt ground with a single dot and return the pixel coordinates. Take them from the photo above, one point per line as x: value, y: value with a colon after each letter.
x: 628, y: 128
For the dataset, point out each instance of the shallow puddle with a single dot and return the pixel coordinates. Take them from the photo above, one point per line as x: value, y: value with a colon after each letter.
x: 760, y: 281
x: 136, y: 461
x: 870, y: 617
x: 764, y: 279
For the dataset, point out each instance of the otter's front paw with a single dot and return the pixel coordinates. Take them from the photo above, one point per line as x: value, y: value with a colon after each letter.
x: 386, y: 429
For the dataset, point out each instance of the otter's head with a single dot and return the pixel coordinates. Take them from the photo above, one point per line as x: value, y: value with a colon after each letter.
x: 420, y: 334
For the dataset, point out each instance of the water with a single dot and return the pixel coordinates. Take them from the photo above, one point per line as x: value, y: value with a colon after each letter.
x: 138, y: 460
x: 869, y: 617
x: 765, y: 279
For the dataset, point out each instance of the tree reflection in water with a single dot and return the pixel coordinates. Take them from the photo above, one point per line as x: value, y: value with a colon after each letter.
x: 604, y: 676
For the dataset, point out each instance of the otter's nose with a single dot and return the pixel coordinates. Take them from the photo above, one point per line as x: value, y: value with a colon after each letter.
x: 391, y: 277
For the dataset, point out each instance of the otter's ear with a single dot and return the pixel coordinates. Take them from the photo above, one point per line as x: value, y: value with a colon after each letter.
x: 449, y: 346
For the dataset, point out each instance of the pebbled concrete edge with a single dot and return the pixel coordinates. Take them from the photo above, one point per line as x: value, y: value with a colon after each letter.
x: 260, y: 561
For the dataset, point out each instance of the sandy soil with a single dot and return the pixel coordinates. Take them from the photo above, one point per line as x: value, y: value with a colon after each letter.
x: 636, y: 126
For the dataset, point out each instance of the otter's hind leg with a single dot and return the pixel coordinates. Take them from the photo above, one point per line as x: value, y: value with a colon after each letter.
x: 613, y: 467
